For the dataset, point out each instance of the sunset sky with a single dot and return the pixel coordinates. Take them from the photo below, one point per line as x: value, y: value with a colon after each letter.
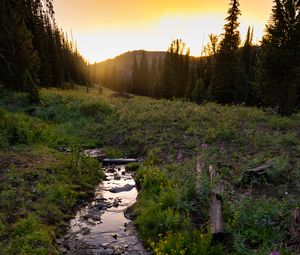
x: 106, y: 28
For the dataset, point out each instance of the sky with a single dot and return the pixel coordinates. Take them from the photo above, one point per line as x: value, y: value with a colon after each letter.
x: 106, y: 28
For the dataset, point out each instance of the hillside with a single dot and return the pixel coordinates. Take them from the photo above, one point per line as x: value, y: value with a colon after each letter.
x: 121, y: 67
x: 41, y: 184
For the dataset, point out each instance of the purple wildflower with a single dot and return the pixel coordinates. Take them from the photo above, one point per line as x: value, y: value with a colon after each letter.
x: 275, y: 253
x: 204, y: 146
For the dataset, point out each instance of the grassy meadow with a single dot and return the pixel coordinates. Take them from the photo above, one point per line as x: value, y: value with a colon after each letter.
x: 44, y: 177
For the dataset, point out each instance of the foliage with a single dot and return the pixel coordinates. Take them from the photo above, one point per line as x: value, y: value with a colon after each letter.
x: 170, y: 136
x: 277, y: 73
x: 181, y: 243
x: 258, y: 224
x: 34, y: 51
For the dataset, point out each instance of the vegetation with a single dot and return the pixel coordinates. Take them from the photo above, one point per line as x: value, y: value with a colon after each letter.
x: 44, y: 175
x: 34, y: 52
x: 47, y: 182
x: 229, y: 72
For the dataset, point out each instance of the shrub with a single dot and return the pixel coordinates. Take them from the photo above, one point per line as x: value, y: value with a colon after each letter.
x: 95, y: 110
x: 29, y: 236
x: 256, y: 224
x: 186, y: 243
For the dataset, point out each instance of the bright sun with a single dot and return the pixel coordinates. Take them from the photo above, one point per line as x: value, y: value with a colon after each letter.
x: 101, y: 35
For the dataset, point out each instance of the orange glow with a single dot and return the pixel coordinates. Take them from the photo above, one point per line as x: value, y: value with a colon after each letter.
x: 106, y: 28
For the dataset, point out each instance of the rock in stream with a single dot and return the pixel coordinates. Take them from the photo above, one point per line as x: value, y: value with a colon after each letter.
x: 101, y: 226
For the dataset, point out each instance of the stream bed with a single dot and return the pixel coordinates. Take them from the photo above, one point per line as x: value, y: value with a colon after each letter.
x: 101, y: 226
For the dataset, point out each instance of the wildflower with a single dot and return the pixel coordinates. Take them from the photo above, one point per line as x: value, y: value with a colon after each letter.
x: 275, y: 253
x: 204, y: 146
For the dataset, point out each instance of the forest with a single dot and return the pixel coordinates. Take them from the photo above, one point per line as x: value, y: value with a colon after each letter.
x: 36, y: 53
x: 229, y: 72
x: 213, y: 141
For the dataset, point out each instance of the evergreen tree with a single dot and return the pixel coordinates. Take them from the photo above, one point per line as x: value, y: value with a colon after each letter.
x: 153, y: 77
x: 33, y: 51
x: 226, y: 76
x: 144, y: 75
x: 249, y: 52
x: 135, y: 76
x: 176, y: 70
x: 278, y: 68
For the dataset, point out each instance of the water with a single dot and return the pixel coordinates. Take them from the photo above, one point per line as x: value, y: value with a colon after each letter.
x: 101, y: 227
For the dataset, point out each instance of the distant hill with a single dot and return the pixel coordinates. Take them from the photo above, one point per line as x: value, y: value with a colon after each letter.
x: 120, y: 67
x: 123, y: 63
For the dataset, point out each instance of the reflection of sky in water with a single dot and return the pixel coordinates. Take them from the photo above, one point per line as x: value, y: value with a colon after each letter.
x: 95, y: 227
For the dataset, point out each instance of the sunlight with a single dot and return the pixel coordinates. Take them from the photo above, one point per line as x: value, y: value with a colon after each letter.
x: 194, y: 29
x: 110, y: 28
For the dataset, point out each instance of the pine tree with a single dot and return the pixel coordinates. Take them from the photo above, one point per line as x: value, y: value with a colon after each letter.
x: 278, y: 70
x: 33, y: 51
x: 175, y: 79
x: 144, y: 75
x: 226, y: 77
x: 135, y: 76
x: 153, y: 77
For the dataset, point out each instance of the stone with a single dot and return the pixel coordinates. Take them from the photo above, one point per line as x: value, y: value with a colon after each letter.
x: 125, y: 188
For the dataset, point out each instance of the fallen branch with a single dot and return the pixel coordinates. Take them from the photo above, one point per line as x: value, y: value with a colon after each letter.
x: 250, y: 174
x: 259, y: 170
x: 119, y: 161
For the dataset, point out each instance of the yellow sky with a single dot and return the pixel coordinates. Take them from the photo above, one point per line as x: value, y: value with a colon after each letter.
x: 106, y: 28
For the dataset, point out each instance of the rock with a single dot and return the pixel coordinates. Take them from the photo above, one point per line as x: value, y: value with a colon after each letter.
x: 115, y: 203
x: 127, y: 187
x: 110, y: 170
x: 85, y: 231
x: 117, y: 177
x: 95, y: 153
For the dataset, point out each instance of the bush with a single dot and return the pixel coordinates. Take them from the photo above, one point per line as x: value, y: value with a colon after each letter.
x: 29, y: 236
x: 187, y: 243
x: 257, y: 224
x: 95, y: 110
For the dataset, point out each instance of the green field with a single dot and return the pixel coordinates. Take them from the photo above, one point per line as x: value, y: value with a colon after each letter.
x: 44, y: 177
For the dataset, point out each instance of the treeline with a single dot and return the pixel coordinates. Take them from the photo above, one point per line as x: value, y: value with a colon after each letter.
x: 34, y: 51
x: 231, y: 71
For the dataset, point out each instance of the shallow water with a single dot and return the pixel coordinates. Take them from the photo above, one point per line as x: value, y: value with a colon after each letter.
x: 101, y: 226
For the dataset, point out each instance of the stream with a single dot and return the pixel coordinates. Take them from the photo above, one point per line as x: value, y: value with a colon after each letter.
x: 101, y: 226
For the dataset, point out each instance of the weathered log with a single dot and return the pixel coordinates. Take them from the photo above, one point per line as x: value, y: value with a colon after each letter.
x: 119, y: 161
x: 256, y: 172
x: 215, y: 215
x: 259, y: 170
x: 295, y: 226
x: 216, y: 221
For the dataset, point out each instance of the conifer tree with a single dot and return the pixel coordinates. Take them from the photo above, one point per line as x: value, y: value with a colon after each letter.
x: 226, y: 76
x: 33, y: 51
x: 135, y: 76
x: 144, y: 75
x: 278, y: 69
x: 176, y: 70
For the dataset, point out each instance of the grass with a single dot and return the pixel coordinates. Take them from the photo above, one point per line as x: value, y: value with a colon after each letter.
x: 170, y: 136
